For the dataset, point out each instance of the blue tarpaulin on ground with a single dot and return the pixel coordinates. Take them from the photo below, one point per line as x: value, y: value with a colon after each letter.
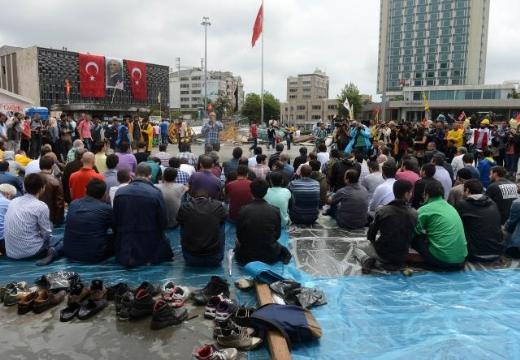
x: 466, y: 315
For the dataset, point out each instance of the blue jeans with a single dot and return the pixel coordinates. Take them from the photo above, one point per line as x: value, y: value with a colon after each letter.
x: 206, y: 260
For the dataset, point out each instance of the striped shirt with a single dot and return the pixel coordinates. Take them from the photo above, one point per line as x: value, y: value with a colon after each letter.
x: 305, y: 197
x: 189, y: 156
x: 27, y: 227
x: 182, y: 177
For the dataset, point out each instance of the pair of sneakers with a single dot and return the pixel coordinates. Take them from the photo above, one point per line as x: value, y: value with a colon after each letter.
x: 175, y: 295
x: 210, y: 352
x: 220, y: 308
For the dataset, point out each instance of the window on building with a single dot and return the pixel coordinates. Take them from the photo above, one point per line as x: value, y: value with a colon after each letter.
x: 306, y: 82
x: 185, y: 78
x: 185, y: 92
x: 490, y: 94
x: 185, y: 99
x: 195, y: 78
x: 185, y: 106
x: 195, y: 99
x: 306, y: 89
x: 293, y: 90
x: 316, y: 107
x: 300, y: 117
x: 300, y: 107
x: 308, y: 97
x: 332, y: 107
x: 195, y: 91
x: 292, y: 96
x: 184, y: 86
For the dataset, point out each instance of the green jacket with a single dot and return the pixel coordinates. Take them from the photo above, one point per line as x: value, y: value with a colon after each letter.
x: 443, y: 226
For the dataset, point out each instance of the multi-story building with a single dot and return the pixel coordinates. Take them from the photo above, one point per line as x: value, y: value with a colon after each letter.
x: 308, y: 86
x: 40, y: 74
x: 187, y: 89
x: 308, y: 100
x: 432, y: 42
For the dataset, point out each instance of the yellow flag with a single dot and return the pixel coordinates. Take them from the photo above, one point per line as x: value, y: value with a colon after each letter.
x: 425, y: 102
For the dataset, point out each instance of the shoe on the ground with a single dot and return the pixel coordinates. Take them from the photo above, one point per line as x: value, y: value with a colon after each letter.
x: 242, y: 316
x: 209, y: 352
x: 25, y: 304
x: 176, y: 296
x: 14, y: 292
x: 116, y: 291
x: 125, y: 305
x: 150, y: 288
x: 47, y: 299
x: 211, y: 307
x: 96, y: 302
x: 244, y: 284
x: 225, y: 309
x: 142, y: 306
x: 230, y: 325
x: 165, y: 315
x: 215, y: 286
x: 78, y: 294
x: 238, y: 339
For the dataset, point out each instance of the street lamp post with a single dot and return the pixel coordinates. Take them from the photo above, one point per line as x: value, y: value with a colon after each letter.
x: 205, y: 22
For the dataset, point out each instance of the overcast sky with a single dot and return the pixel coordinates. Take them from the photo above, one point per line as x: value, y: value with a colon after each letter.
x: 337, y: 36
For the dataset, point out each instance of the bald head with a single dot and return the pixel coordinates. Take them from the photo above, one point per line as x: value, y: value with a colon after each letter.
x: 88, y: 159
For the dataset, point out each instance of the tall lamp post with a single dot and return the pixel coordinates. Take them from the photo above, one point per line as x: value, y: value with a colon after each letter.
x: 205, y: 22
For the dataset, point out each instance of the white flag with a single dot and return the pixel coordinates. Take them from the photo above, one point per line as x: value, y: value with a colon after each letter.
x: 346, y: 104
x: 119, y: 85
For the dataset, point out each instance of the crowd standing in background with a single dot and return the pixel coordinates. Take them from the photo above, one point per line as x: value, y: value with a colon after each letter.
x: 448, y: 190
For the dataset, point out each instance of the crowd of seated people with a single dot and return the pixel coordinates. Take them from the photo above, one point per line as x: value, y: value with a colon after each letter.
x: 122, y: 204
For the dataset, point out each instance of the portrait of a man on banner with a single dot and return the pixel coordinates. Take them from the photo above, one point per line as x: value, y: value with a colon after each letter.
x: 114, y: 73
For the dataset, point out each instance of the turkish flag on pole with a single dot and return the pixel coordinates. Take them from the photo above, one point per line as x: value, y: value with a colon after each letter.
x: 259, y: 24
x: 138, y: 83
x: 91, y: 75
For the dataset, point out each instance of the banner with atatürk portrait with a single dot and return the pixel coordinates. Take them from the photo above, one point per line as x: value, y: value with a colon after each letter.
x: 114, y: 73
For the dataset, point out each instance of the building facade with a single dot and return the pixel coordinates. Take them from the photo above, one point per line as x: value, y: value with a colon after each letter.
x: 308, y: 100
x: 308, y: 86
x: 306, y: 113
x: 187, y: 89
x: 432, y: 42
x: 40, y: 74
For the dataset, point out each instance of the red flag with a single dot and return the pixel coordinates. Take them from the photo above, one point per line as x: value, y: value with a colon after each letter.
x: 67, y: 87
x: 138, y: 83
x: 462, y: 116
x: 259, y: 24
x: 91, y: 75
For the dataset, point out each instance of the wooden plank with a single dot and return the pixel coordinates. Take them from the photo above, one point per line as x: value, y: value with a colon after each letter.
x: 277, y: 344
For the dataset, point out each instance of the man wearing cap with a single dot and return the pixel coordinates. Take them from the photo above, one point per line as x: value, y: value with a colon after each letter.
x: 211, y: 131
x: 482, y: 137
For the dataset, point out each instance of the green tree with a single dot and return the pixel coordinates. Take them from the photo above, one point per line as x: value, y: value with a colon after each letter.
x: 351, y: 92
x: 223, y: 106
x: 175, y: 114
x: 252, y: 110
x: 513, y: 95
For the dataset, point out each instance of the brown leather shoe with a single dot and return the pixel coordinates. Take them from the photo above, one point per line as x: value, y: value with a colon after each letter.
x: 47, y: 299
x: 25, y: 304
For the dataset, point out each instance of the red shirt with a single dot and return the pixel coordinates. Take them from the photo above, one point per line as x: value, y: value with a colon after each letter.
x: 239, y: 194
x: 78, y: 182
x: 254, y: 131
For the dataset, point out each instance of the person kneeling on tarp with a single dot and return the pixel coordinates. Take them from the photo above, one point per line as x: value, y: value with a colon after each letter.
x: 27, y: 225
x: 258, y: 230
x: 439, y: 234
x: 202, y: 230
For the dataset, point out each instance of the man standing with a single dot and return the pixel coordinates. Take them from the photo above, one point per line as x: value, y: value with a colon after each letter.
x: 305, y: 202
x: 211, y: 131
x: 147, y: 134
x: 53, y: 193
x: 254, y: 135
x: 502, y: 191
x: 36, y: 136
x: 482, y: 223
x: 164, y: 131
x: 27, y: 228
x: 14, y: 132
x: 439, y: 233
x: 88, y: 233
x: 79, y: 180
x: 140, y: 220
x: 258, y: 230
x: 84, y: 132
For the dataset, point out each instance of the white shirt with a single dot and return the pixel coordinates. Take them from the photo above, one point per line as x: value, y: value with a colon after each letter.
x: 33, y: 167
x: 251, y: 162
x: 113, y: 190
x: 457, y: 164
x: 443, y: 176
x: 189, y: 169
x: 383, y: 195
x: 323, y: 158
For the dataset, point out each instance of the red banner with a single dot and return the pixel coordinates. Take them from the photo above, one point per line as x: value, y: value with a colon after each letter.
x: 258, y: 27
x: 91, y: 75
x: 138, y: 83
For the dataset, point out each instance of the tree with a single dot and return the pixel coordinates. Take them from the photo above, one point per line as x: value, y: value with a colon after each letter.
x: 351, y: 92
x: 175, y: 114
x: 222, y: 106
x: 252, y: 111
x: 513, y: 95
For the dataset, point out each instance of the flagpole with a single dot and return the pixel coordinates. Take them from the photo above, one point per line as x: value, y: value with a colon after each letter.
x: 262, y: 81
